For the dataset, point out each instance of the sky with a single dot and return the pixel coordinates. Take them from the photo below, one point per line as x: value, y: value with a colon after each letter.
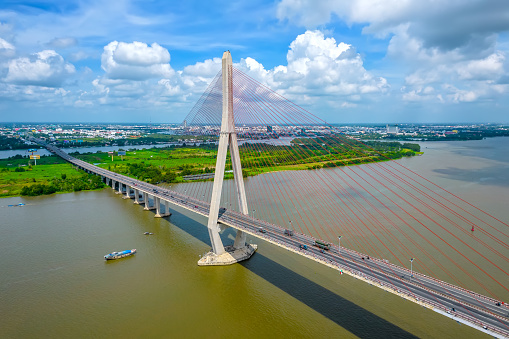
x: 359, y: 61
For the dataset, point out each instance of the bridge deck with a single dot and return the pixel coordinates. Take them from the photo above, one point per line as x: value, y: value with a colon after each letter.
x: 471, y: 308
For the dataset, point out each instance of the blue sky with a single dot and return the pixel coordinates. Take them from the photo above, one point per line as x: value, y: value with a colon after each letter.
x: 362, y: 61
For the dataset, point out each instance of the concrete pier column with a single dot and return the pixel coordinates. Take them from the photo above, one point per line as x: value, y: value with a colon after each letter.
x: 112, y: 184
x: 159, y: 212
x: 167, y: 206
x: 147, y: 202
x: 136, y: 196
x: 127, y: 192
x: 157, y: 204
x: 120, y: 187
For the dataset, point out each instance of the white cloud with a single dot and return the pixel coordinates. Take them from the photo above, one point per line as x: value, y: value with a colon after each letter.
x: 419, y: 30
x: 46, y: 68
x: 135, y: 61
x: 80, y: 55
x: 463, y: 81
x: 140, y: 54
x: 6, y: 48
x: 62, y: 42
x: 489, y: 68
x: 434, y: 42
x: 316, y: 66
x: 208, y: 68
x: 447, y: 25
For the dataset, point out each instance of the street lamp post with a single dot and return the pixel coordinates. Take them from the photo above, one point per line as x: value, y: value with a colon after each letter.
x: 411, y: 267
x: 339, y: 253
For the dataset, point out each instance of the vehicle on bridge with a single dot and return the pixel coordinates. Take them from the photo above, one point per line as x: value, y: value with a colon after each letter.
x: 262, y: 230
x: 288, y: 232
x: 304, y: 247
x: 322, y: 245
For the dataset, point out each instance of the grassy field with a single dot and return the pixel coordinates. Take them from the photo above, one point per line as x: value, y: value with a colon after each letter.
x: 47, y: 169
x: 196, y: 160
x: 158, y: 165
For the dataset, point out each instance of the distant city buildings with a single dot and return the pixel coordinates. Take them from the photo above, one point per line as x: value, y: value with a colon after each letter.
x: 392, y: 129
x: 79, y: 133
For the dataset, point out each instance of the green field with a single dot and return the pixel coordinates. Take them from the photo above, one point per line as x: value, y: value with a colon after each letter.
x: 50, y: 170
x: 166, y: 165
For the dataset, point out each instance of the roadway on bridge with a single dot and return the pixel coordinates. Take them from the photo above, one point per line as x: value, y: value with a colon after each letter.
x: 467, y: 305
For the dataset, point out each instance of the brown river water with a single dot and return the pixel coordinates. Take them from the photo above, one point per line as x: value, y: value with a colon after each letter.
x: 54, y: 282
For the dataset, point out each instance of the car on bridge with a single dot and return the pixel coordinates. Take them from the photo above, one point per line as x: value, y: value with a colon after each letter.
x: 288, y: 232
x: 303, y: 247
x: 262, y: 230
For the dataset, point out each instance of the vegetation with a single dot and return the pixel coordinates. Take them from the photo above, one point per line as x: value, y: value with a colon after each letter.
x: 148, y: 139
x: 7, y: 143
x: 172, y: 164
x: 19, y: 176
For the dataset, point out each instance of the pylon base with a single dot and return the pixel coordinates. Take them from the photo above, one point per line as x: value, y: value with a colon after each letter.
x: 231, y: 256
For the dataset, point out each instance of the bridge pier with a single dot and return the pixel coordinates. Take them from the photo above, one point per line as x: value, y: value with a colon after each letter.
x: 127, y: 192
x: 220, y: 255
x: 137, y: 197
x: 147, y: 202
x: 159, y: 213
x: 120, y: 188
x: 167, y: 206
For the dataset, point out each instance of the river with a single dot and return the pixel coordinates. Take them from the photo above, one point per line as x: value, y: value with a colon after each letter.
x: 4, y: 154
x: 55, y: 282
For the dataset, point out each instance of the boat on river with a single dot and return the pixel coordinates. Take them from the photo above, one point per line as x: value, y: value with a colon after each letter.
x: 121, y: 254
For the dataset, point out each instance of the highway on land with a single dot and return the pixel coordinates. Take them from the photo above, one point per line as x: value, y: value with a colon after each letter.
x: 450, y: 300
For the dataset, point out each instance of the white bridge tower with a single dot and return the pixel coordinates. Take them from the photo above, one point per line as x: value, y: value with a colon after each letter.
x: 227, y: 138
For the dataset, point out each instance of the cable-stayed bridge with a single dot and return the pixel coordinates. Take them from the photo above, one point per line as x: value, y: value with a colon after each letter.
x: 380, y: 209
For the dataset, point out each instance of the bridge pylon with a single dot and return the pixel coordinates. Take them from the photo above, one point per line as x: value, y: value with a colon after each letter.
x: 227, y: 139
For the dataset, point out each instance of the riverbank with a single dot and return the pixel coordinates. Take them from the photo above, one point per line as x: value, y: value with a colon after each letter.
x: 20, y: 176
x: 171, y: 165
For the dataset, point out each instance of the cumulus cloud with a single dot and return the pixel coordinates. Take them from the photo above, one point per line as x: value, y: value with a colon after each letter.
x: 462, y: 81
x: 135, y: 61
x: 46, y: 68
x: 451, y: 42
x: 317, y: 65
x: 447, y: 25
x: 208, y: 68
x: 488, y: 68
x: 142, y: 75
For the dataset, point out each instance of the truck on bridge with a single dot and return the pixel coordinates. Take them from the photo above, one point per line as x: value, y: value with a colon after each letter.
x: 322, y: 245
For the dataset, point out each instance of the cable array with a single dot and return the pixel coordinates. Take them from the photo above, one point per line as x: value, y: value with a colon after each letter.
x: 306, y: 181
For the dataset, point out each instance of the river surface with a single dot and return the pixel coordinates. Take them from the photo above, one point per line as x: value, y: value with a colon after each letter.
x: 55, y: 283
x: 93, y: 149
x: 88, y: 149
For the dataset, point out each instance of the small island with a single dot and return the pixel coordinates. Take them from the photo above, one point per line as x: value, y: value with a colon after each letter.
x: 185, y: 162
